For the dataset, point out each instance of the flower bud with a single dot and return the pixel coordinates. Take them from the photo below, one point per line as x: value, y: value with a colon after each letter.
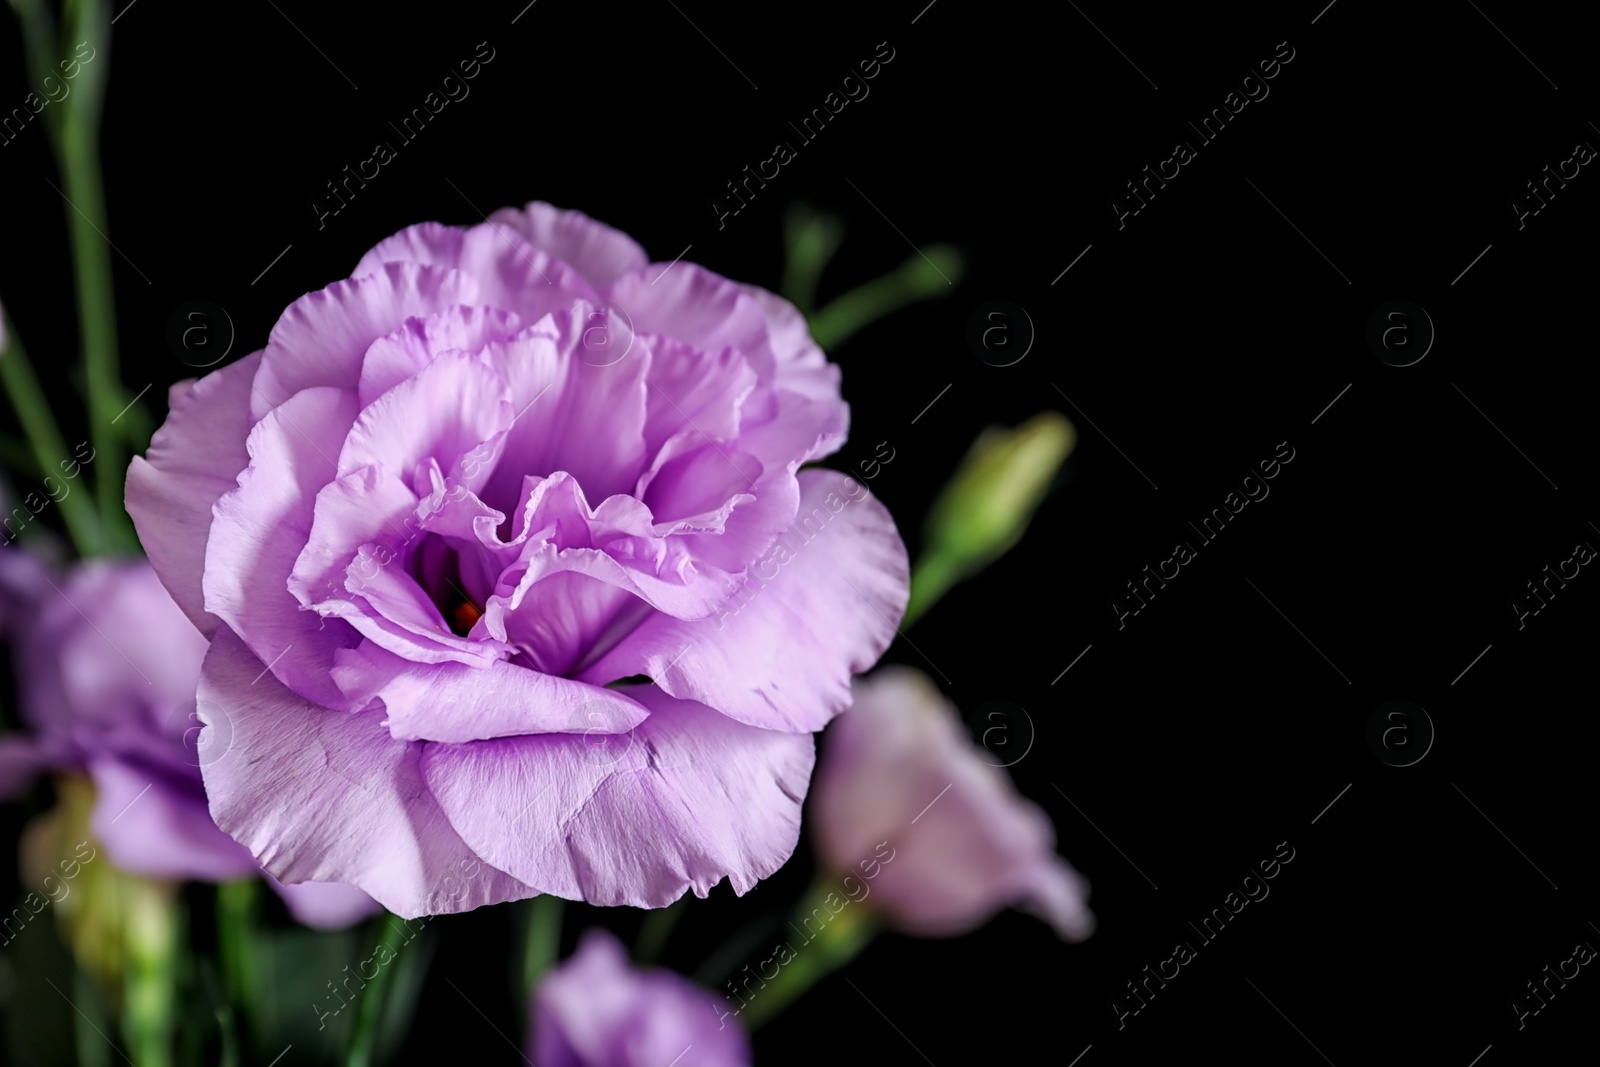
x: 988, y: 503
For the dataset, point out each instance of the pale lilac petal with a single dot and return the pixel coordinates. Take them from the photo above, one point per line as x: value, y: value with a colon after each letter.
x: 784, y: 427
x: 193, y: 459
x: 616, y: 543
x: 453, y: 405
x: 697, y: 307
x: 686, y: 799
x: 692, y: 389
x: 258, y: 531
x: 511, y: 273
x: 801, y: 365
x: 779, y: 653
x: 560, y: 618
x: 326, y: 796
x: 455, y: 703
x: 399, y: 355
x: 370, y: 506
x: 560, y: 399
x: 599, y: 252
x: 321, y: 339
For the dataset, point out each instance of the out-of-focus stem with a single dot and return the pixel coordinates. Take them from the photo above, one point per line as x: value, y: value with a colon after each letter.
x: 810, y: 239
x: 364, y: 1031
x: 44, y: 439
x: 236, y: 939
x: 150, y: 933
x: 541, y: 941
x: 835, y: 945
x: 77, y: 149
x: 656, y: 929
x: 929, y: 273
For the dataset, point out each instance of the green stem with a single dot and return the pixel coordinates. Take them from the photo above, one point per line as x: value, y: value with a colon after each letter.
x: 78, y: 156
x: 834, y: 945
x: 364, y: 1031
x: 89, y: 1023
x: 810, y: 239
x: 931, y: 579
x: 656, y: 929
x: 236, y: 938
x: 151, y: 933
x: 928, y: 273
x: 44, y: 438
x: 541, y: 943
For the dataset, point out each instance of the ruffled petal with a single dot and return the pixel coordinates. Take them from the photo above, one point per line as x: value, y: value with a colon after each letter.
x: 193, y: 459
x: 455, y: 703
x: 511, y: 273
x: 820, y: 606
x: 801, y: 365
x: 401, y: 354
x: 697, y: 307
x: 599, y: 252
x: 322, y: 337
x: 686, y: 799
x: 572, y: 414
x: 693, y: 389
x: 257, y: 534
x: 325, y: 796
x: 452, y: 406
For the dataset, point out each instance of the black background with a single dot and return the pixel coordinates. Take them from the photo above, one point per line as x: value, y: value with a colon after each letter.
x: 1224, y: 717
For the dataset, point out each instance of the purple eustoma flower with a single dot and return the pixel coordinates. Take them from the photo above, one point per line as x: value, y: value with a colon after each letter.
x: 595, y: 1010
x: 898, y: 768
x: 107, y: 667
x: 511, y: 579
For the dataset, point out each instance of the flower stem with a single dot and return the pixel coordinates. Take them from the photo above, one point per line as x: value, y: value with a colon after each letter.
x: 926, y: 274
x: 77, y: 148
x: 89, y: 1022
x: 364, y: 1031
x: 656, y: 929
x: 44, y: 439
x: 236, y: 938
x: 810, y: 238
x: 931, y: 578
x: 837, y: 943
x: 151, y: 934
x: 541, y: 942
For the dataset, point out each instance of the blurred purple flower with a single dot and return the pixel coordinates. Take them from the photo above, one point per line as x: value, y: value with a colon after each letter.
x: 596, y: 1010
x: 106, y: 666
x: 899, y: 768
x: 455, y: 500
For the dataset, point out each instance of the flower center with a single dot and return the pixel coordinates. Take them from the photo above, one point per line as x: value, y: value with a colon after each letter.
x: 462, y: 613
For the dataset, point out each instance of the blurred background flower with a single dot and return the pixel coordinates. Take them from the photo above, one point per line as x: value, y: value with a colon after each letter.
x: 597, y: 1010
x: 899, y: 768
x: 106, y: 666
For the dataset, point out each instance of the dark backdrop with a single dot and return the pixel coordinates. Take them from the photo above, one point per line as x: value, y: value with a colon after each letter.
x: 1194, y: 339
